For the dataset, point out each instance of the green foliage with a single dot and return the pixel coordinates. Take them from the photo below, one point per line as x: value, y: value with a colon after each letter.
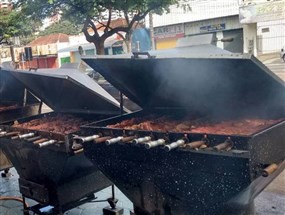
x: 88, y: 12
x: 12, y: 24
x: 65, y: 27
x: 8, y: 24
x: 4, y: 24
x: 79, y: 10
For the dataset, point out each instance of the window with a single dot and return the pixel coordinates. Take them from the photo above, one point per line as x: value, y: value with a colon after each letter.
x: 265, y: 30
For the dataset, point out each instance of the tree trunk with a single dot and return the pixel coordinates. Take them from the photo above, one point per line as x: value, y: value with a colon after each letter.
x: 128, y: 46
x: 100, y: 50
x: 128, y: 42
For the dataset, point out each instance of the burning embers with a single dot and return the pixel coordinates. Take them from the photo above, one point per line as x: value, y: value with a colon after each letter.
x: 167, y: 124
x: 63, y: 124
x: 7, y: 107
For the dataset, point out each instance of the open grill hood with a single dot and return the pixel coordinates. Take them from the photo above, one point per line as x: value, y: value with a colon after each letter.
x: 12, y: 94
x: 12, y: 90
x: 209, y: 84
x: 68, y: 90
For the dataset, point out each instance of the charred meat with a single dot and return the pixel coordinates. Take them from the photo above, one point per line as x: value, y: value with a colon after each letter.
x: 63, y: 124
x: 167, y: 124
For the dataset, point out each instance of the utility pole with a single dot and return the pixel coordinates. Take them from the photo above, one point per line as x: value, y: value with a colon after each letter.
x: 151, y: 31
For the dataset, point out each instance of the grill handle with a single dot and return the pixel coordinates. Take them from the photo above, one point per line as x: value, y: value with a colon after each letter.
x: 269, y: 170
x: 195, y: 144
x: 13, y: 133
x: 81, y: 140
x: 102, y: 139
x: 32, y: 139
x: 174, y: 145
x: 113, y: 140
x: 155, y: 143
x: 47, y: 143
x: 128, y: 139
x: 2, y: 133
x: 78, y: 151
x: 22, y: 136
x: 40, y: 141
x: 142, y: 140
x: 227, y: 145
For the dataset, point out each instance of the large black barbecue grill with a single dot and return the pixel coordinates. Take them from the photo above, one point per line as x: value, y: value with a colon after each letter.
x: 15, y: 102
x: 51, y: 170
x: 231, y: 150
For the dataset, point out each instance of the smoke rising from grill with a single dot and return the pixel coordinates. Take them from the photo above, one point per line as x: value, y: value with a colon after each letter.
x: 217, y: 87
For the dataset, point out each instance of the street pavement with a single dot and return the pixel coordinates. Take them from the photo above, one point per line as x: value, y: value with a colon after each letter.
x: 270, y: 202
x: 277, y: 66
x: 274, y: 63
x: 9, y: 187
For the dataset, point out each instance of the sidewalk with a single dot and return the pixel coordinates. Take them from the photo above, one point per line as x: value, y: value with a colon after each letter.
x: 268, y: 56
x: 9, y: 187
x: 270, y: 202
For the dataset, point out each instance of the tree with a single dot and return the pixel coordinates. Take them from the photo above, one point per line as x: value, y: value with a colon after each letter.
x: 12, y: 24
x: 96, y: 15
x: 65, y: 27
x: 4, y: 25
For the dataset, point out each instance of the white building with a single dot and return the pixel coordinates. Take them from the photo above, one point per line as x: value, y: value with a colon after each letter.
x: 6, y: 4
x: 200, y: 10
x: 218, y: 18
x: 257, y: 26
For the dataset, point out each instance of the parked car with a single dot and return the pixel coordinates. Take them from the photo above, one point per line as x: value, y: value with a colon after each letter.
x: 282, y: 53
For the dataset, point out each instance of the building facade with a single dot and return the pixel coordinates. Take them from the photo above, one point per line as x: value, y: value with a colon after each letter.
x: 6, y: 5
x: 255, y: 26
x: 218, y: 18
x: 221, y: 28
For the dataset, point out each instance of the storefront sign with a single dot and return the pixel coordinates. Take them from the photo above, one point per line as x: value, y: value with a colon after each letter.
x: 172, y: 31
x: 261, y: 12
x: 211, y: 28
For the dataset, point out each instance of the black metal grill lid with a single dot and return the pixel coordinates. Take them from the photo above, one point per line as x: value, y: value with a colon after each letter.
x: 12, y: 90
x: 212, y: 84
x: 68, y: 90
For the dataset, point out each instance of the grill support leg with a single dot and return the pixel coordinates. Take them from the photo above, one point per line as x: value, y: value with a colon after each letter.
x: 121, y: 103
x: 26, y: 209
x: 40, y: 107
x: 113, y: 209
x: 113, y: 191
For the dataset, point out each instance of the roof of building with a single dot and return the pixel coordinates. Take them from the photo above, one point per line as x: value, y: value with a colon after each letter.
x: 50, y: 39
x: 119, y: 22
x: 114, y: 23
